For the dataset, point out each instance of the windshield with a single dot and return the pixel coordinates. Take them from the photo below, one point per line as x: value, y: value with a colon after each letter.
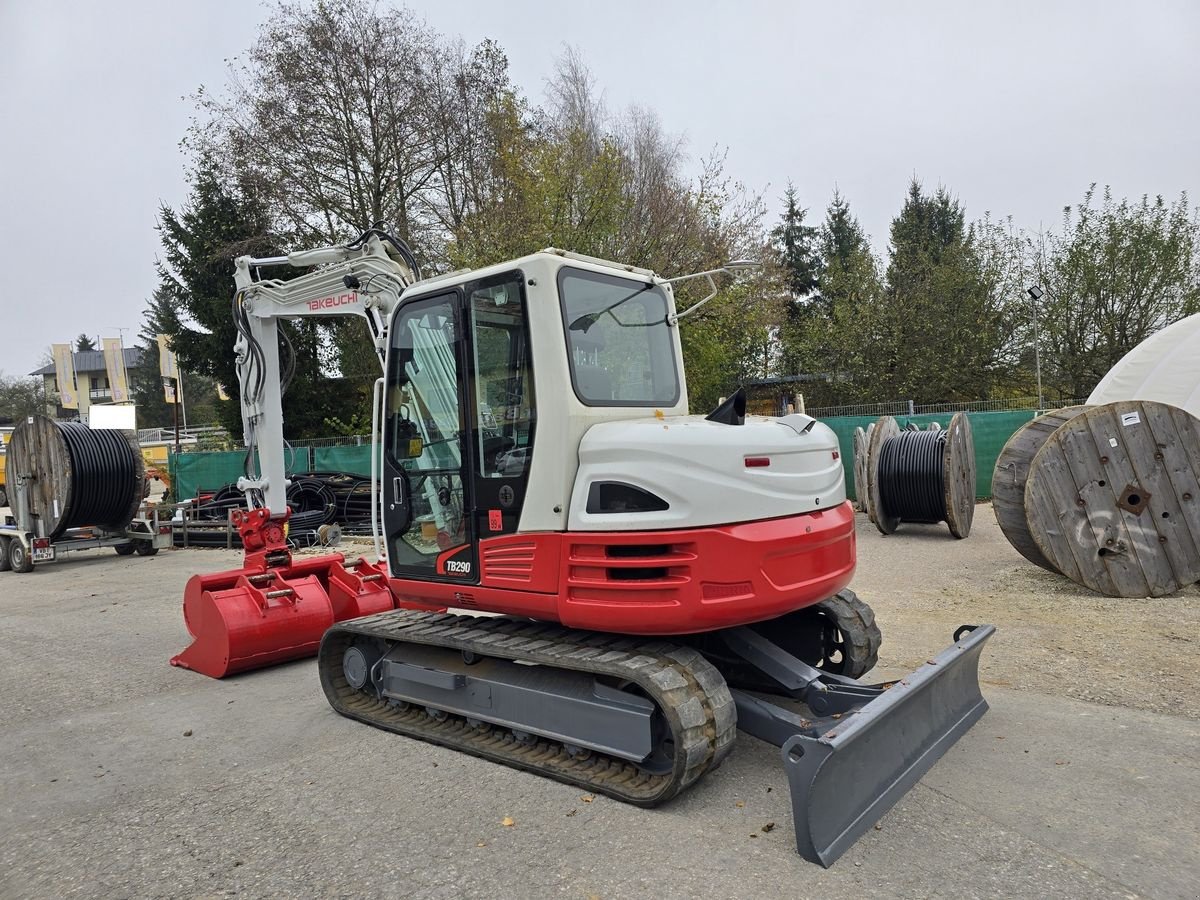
x: 621, y: 349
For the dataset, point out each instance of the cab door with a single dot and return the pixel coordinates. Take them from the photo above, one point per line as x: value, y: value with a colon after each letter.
x: 503, y: 409
x: 425, y: 491
x: 458, y: 426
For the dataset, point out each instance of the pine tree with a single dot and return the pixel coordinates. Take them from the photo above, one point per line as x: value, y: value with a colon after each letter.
x: 938, y: 335
x: 200, y: 242
x: 83, y: 343
x: 852, y: 293
x: 145, y: 383
x: 795, y: 245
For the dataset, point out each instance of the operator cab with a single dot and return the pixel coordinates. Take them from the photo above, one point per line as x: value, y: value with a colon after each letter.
x: 465, y: 405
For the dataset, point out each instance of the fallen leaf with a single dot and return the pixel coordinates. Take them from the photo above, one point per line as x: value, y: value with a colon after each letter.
x: 188, y: 733
x: 768, y: 827
x: 878, y: 827
x: 754, y: 835
x: 588, y: 798
x: 1062, y: 762
x: 481, y: 844
x: 508, y: 821
x: 999, y: 737
x: 572, y: 812
x: 739, y: 804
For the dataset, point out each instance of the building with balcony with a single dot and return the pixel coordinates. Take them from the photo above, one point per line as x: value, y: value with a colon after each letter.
x: 91, y: 379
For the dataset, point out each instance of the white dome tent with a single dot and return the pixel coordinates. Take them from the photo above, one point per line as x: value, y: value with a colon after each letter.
x: 1165, y: 367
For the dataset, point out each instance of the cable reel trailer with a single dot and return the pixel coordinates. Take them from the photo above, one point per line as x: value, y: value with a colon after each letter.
x: 75, y: 488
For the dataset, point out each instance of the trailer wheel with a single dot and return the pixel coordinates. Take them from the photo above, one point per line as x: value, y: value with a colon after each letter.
x: 4, y: 566
x: 19, y: 559
x: 125, y: 549
x: 3, y: 496
x: 145, y: 548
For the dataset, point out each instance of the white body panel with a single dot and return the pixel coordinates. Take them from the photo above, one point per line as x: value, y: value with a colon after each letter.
x: 699, y: 468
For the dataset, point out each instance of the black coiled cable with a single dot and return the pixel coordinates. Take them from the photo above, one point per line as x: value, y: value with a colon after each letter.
x: 912, y: 476
x: 106, y: 486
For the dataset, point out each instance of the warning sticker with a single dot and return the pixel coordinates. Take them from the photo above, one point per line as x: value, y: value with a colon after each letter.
x: 495, y: 520
x: 1128, y: 419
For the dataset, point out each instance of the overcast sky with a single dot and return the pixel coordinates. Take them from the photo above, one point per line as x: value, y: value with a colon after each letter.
x: 1017, y: 108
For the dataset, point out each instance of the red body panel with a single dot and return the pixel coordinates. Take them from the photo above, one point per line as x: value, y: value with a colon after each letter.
x: 657, y: 582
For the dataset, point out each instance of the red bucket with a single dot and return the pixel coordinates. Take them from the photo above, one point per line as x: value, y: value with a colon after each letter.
x: 254, y: 617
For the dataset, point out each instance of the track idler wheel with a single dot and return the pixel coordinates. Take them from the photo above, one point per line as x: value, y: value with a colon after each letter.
x: 850, y: 639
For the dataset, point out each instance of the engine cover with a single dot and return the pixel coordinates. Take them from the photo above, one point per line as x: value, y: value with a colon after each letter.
x: 703, y: 473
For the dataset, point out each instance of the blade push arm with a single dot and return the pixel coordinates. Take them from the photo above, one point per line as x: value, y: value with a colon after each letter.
x: 361, y: 279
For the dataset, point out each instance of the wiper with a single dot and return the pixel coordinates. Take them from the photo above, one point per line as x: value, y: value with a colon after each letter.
x: 587, y: 320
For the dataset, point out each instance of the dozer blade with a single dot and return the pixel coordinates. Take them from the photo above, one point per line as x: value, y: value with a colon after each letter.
x: 843, y: 781
x: 254, y: 617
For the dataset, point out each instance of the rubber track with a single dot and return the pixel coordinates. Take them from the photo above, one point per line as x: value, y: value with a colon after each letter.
x: 689, y: 691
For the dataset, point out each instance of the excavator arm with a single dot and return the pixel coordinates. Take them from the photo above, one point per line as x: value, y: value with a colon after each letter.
x: 273, y: 609
x: 362, y: 278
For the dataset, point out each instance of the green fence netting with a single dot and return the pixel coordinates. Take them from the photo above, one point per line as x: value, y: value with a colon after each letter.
x: 194, y: 472
x: 355, y: 460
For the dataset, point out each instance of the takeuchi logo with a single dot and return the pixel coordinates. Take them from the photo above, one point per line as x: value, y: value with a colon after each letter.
x: 334, y: 301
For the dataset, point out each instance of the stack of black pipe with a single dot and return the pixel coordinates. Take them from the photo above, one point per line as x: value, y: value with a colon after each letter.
x: 315, y: 499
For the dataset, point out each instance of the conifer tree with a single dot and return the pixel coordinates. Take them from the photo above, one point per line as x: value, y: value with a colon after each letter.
x: 200, y: 242
x: 795, y: 245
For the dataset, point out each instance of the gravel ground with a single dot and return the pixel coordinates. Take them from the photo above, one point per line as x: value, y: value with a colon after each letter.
x: 123, y: 777
x: 1053, y: 636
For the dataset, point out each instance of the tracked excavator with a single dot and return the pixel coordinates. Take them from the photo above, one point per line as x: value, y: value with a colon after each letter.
x: 629, y: 584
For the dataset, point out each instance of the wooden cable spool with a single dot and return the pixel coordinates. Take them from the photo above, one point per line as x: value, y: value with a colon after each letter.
x: 1112, y: 499
x: 959, y: 465
x: 956, y: 474
x: 1011, y: 473
x: 859, y: 469
x: 886, y: 427
x: 67, y: 475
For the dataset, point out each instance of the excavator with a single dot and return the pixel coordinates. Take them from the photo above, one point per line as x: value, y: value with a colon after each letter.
x: 572, y: 575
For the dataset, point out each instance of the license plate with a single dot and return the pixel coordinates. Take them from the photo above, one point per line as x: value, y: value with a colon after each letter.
x: 43, y: 554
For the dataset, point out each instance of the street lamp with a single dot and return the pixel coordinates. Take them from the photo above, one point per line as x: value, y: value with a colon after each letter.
x: 1035, y: 294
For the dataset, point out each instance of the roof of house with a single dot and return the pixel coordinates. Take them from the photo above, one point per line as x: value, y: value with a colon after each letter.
x: 93, y: 361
